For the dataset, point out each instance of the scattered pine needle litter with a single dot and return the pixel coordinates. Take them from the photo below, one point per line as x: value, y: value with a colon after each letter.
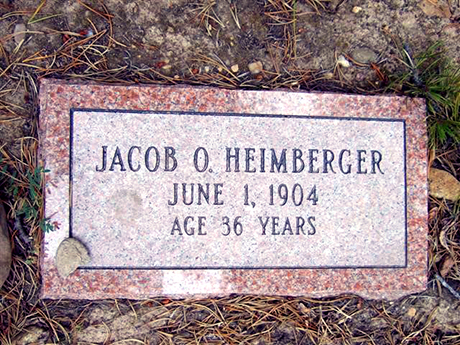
x: 428, y: 318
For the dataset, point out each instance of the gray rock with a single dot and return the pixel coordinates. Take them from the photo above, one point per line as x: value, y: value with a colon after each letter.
x: 19, y: 33
x: 31, y: 335
x: 364, y: 55
x: 342, y: 61
x: 108, y: 326
x: 5, y: 247
x: 70, y: 255
x: 255, y: 67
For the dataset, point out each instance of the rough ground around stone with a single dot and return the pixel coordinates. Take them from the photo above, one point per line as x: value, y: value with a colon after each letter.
x: 171, y: 32
x: 105, y: 324
x: 70, y: 255
x: 443, y: 185
x: 5, y: 247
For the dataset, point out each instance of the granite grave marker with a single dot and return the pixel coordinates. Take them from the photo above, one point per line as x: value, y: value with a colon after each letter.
x: 182, y: 191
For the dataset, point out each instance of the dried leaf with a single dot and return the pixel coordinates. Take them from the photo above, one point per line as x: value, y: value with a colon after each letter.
x: 303, y: 309
x: 443, y: 185
x: 435, y: 8
x: 443, y: 240
x: 432, y: 214
x: 446, y: 267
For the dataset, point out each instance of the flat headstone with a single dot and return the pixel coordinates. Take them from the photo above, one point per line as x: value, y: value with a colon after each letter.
x: 190, y: 192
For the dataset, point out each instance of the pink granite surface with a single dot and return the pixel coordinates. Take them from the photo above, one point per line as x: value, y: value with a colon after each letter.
x: 58, y: 97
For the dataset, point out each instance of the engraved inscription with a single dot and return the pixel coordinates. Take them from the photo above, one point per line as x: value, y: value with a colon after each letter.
x: 241, y: 191
x: 261, y: 160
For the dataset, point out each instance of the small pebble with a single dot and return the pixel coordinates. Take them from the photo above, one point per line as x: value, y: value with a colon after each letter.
x: 234, y: 68
x: 356, y: 9
x: 411, y: 312
x: 343, y: 62
x: 132, y: 8
x: 255, y: 67
x: 19, y: 33
x: 364, y: 55
x: 71, y: 254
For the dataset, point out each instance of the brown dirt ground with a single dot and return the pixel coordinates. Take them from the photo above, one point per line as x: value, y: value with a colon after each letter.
x: 197, y: 42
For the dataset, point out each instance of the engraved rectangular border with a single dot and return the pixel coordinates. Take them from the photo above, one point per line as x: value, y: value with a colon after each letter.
x: 147, y: 112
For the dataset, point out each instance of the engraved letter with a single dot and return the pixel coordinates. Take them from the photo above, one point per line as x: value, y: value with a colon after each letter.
x: 300, y: 222
x: 297, y: 157
x: 104, y: 159
x: 327, y: 161
x: 176, y: 187
x: 176, y: 227
x: 236, y: 157
x: 312, y: 158
x: 169, y: 154
x: 206, y: 159
x: 192, y: 230
x: 312, y: 231
x: 264, y: 224
x: 130, y: 158
x: 341, y: 162
x: 361, y: 159
x: 117, y: 160
x: 249, y: 158
x: 201, y: 225
x: 217, y: 192
x: 281, y: 163
x: 376, y: 159
x: 262, y: 160
x: 184, y: 193
x: 147, y: 159
x: 202, y: 192
x: 274, y: 225
x: 287, y: 227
